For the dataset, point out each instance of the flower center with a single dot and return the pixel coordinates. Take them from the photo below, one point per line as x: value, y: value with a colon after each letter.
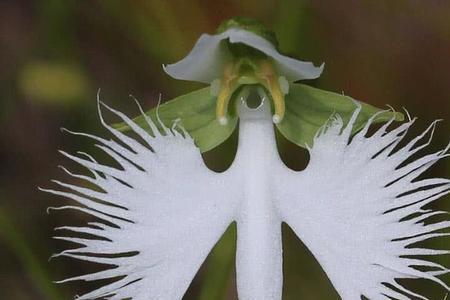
x: 246, y: 71
x: 253, y: 98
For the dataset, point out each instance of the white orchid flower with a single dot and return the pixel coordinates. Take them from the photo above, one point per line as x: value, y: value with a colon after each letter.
x: 359, y: 206
x: 228, y: 59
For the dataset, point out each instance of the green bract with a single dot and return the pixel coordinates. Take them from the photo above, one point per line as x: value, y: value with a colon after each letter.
x: 195, y: 113
x: 307, y: 110
x: 244, y: 54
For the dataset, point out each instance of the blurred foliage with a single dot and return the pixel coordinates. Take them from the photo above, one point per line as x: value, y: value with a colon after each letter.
x: 216, y: 284
x: 36, y: 270
x: 54, y: 55
x: 56, y: 84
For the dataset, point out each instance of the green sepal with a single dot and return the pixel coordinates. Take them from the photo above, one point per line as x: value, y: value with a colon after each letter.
x: 196, y: 114
x: 308, y: 109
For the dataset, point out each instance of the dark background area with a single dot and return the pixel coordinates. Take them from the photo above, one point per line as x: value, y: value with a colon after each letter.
x: 55, y: 55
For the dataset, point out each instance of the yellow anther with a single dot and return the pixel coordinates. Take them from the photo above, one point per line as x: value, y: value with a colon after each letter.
x: 270, y: 80
x: 228, y: 86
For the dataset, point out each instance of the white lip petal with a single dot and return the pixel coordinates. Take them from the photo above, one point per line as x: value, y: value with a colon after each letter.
x: 160, y: 213
x: 360, y: 208
x: 206, y: 60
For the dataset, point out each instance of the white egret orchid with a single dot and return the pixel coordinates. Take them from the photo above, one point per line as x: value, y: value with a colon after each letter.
x: 359, y: 206
x: 243, y: 52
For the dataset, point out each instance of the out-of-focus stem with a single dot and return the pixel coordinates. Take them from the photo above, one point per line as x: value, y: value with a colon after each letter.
x: 30, y: 263
x: 219, y: 267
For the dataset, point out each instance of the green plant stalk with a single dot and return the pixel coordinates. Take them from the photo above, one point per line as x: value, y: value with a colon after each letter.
x: 219, y: 267
x: 30, y: 263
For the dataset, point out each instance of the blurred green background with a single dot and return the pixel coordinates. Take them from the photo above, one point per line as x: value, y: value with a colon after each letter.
x: 55, y: 55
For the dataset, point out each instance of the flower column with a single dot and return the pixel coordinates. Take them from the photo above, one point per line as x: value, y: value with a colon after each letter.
x: 259, y: 245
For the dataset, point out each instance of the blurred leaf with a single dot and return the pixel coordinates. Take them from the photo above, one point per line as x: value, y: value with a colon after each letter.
x: 57, y: 38
x: 292, y: 21
x: 19, y: 246
x: 165, y: 17
x: 308, y: 109
x: 196, y: 112
x: 53, y: 82
x: 151, y: 25
x: 219, y: 267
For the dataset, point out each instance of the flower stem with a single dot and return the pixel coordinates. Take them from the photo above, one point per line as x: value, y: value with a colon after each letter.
x: 20, y: 247
x: 220, y: 267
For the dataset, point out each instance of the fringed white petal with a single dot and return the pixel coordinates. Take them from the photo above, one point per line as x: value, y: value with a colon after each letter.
x: 206, y: 60
x: 359, y: 208
x: 161, y: 211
